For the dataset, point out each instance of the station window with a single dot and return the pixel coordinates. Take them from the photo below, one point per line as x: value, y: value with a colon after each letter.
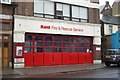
x: 47, y: 9
x: 47, y: 49
x: 54, y: 43
x: 62, y: 11
x: 38, y: 43
x: 57, y: 44
x: 5, y: 26
x: 66, y: 49
x: 28, y: 37
x: 44, y: 8
x: 38, y: 49
x: 79, y: 14
x: 57, y: 49
x: 28, y: 49
x: 28, y: 43
x: 48, y: 38
x: 38, y: 38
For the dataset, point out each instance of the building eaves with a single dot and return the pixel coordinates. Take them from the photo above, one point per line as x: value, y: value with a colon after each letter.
x: 110, y: 20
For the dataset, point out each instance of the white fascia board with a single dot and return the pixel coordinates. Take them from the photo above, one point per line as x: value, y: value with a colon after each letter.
x: 79, y: 3
x: 55, y: 20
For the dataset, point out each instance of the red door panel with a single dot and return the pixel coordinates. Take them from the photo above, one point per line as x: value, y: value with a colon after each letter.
x: 74, y: 58
x: 66, y: 58
x: 57, y: 58
x: 48, y: 58
x: 89, y: 58
x: 38, y: 59
x: 28, y: 59
x: 81, y: 58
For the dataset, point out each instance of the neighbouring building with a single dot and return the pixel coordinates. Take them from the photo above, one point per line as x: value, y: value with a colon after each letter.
x: 6, y: 10
x: 109, y: 26
x: 116, y: 11
x: 116, y: 7
x: 56, y: 32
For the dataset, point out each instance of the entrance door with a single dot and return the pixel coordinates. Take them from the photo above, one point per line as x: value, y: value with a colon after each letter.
x: 74, y: 50
x: 89, y: 58
x: 5, y: 54
x: 5, y: 51
x: 57, y: 50
x: 33, y: 52
x: 28, y: 50
x: 48, y: 50
x: 66, y: 50
x: 38, y: 50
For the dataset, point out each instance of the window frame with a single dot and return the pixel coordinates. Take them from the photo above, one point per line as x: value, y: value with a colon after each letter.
x: 43, y: 15
x: 80, y: 19
x: 110, y: 28
x: 62, y: 16
x: 8, y: 22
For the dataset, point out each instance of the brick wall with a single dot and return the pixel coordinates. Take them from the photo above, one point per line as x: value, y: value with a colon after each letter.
x: 5, y: 9
x: 93, y: 15
x: 25, y: 8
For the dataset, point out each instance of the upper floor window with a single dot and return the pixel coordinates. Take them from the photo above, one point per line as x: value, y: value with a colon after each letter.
x: 44, y: 9
x: 62, y: 11
x: 110, y: 29
x: 49, y: 9
x: 79, y: 14
x: 5, y: 26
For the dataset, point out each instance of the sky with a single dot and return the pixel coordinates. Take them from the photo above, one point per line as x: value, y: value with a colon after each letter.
x: 103, y: 2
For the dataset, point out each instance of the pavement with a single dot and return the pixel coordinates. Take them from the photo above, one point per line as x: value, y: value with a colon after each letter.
x: 42, y: 70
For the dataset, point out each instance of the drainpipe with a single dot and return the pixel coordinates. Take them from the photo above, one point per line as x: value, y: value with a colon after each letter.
x: 13, y: 13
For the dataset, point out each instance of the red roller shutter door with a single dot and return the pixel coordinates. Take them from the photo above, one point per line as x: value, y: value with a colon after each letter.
x: 74, y: 58
x: 66, y: 57
x: 57, y: 58
x: 48, y: 58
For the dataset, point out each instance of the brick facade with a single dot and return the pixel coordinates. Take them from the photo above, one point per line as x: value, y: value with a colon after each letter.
x: 93, y: 15
x: 25, y: 8
x: 5, y: 9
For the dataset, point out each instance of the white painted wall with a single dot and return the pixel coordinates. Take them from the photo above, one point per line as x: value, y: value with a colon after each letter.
x: 106, y: 29
x: 33, y: 24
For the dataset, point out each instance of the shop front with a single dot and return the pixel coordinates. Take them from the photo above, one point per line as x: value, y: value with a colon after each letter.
x: 47, y: 42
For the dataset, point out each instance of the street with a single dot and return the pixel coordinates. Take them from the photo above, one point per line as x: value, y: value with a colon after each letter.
x: 106, y: 72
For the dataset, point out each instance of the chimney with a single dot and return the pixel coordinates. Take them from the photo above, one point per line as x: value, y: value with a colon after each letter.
x: 107, y: 2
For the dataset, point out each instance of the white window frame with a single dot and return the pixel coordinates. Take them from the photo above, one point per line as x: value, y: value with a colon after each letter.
x: 60, y: 7
x: 80, y: 15
x: 5, y: 1
x: 41, y: 12
x: 110, y: 29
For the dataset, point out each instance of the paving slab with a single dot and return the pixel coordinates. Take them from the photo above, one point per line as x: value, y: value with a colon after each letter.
x: 49, y: 69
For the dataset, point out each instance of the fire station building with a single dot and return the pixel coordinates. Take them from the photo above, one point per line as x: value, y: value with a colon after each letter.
x: 57, y: 32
